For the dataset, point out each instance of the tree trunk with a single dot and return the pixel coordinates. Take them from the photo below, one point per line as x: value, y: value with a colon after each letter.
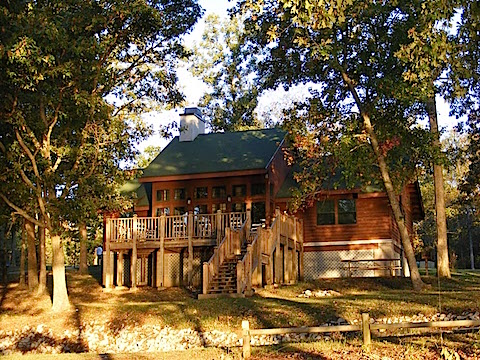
x: 22, y: 256
x: 415, y: 277
x: 82, y: 228
x: 42, y: 286
x: 32, y: 256
x: 3, y: 252
x: 60, y: 295
x: 417, y: 282
x: 443, y: 266
x: 470, y: 239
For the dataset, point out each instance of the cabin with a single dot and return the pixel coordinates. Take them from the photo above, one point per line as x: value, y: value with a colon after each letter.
x: 211, y: 213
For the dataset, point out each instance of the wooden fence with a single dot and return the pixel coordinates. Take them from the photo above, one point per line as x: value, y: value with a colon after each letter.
x: 365, y: 328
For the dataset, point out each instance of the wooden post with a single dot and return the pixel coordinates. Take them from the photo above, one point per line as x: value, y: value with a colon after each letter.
x: 240, y: 278
x: 219, y: 229
x: 205, y: 277
x: 107, y: 245
x: 133, y: 268
x: 246, y: 339
x: 190, y: 248
x: 216, y: 259
x: 294, y: 252
x: 278, y: 255
x: 301, y: 240
x: 367, y: 338
x: 248, y: 219
x: 249, y: 269
x: 161, y: 253
x: 120, y: 268
x: 107, y: 266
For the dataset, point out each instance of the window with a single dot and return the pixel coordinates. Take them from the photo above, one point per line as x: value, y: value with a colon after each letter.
x: 347, y: 213
x: 162, y: 211
x: 163, y: 195
x: 258, y: 212
x: 200, y: 209
x: 239, y: 190
x: 179, y: 210
x: 326, y: 212
x: 345, y: 209
x: 258, y: 189
x: 201, y: 192
x: 216, y: 207
x: 219, y: 192
x: 239, y: 207
x: 179, y: 194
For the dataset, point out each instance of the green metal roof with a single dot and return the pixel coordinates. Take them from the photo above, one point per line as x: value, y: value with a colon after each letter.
x: 217, y: 152
x: 335, y: 181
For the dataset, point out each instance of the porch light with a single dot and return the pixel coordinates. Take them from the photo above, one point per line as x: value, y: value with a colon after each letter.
x: 229, y: 198
x: 189, y: 201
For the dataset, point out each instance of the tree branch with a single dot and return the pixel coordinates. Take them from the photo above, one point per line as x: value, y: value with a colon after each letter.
x: 20, y: 211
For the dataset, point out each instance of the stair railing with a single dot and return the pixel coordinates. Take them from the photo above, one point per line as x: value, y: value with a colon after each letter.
x: 228, y: 247
x: 249, y: 263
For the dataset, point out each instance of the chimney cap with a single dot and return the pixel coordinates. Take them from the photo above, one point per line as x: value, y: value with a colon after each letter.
x: 193, y: 111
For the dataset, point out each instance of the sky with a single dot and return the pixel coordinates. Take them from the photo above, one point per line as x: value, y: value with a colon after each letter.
x: 193, y: 88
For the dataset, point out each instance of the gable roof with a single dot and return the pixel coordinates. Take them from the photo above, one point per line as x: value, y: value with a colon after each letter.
x: 141, y: 190
x: 217, y: 152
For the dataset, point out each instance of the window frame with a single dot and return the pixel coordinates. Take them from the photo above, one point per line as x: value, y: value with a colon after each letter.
x: 196, y: 192
x: 220, y: 195
x: 337, y: 214
x: 239, y: 186
x: 182, y: 194
x: 165, y: 195
x: 354, y: 212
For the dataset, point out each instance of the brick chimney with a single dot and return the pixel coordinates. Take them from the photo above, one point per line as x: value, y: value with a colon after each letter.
x: 191, y: 124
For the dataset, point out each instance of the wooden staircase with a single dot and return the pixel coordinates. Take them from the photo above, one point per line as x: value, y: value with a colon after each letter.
x: 236, y: 264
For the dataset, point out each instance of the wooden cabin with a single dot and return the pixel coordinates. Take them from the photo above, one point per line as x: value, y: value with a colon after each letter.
x: 211, y: 213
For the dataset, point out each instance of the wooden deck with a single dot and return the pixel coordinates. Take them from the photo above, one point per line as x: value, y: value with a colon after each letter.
x: 229, y: 235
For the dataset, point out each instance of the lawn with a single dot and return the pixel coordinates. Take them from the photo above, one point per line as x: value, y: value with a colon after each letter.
x: 280, y: 307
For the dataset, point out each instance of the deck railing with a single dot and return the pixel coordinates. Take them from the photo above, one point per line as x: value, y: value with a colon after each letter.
x: 205, y: 226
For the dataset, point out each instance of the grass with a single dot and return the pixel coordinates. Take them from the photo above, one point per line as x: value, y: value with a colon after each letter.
x: 281, y: 307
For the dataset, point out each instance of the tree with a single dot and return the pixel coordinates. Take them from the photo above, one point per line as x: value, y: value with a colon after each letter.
x: 349, y: 47
x: 223, y: 62
x: 428, y: 55
x: 59, y: 62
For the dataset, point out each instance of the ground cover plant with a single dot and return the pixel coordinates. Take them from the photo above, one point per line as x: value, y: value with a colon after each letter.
x: 278, y: 307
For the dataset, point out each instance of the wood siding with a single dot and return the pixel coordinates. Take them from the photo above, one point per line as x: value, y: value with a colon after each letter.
x: 373, y: 222
x: 189, y: 185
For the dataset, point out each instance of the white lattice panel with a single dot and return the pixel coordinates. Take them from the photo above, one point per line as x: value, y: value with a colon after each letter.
x: 328, y: 264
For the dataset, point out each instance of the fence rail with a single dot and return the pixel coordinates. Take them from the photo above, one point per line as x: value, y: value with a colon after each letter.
x: 365, y: 328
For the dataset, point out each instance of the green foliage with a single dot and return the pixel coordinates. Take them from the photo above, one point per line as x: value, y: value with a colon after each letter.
x: 461, y: 210
x: 145, y: 158
x: 223, y: 61
x: 74, y: 77
x: 350, y: 49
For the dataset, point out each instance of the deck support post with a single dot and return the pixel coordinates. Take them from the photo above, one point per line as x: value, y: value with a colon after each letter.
x: 120, y: 268
x: 108, y: 264
x: 133, y: 267
x: 218, y: 220
x: 190, y: 248
x: 105, y: 262
x: 160, y: 254
x: 300, y: 234
x: 294, y: 251
x: 278, y: 254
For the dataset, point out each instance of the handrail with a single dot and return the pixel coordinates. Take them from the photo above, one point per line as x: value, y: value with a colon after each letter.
x: 248, y: 264
x: 205, y: 226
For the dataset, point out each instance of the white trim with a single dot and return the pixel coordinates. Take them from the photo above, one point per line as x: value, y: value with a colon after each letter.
x: 350, y: 242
